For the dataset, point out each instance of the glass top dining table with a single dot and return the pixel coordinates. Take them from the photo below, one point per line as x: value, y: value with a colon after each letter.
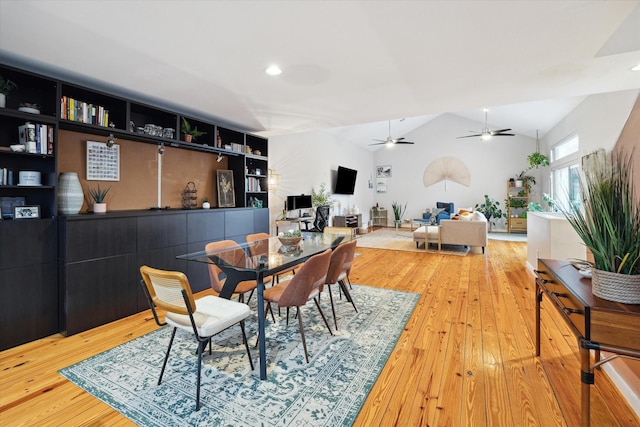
x: 259, y: 259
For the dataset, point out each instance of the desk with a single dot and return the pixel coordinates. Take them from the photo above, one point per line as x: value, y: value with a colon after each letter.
x: 598, y: 324
x: 306, y: 220
x: 272, y: 258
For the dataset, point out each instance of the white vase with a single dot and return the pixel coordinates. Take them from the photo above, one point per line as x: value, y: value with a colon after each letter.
x: 99, y: 207
x: 206, y: 205
x: 3, y: 100
x: 70, y: 195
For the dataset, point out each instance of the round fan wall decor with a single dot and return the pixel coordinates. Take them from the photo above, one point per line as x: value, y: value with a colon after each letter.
x: 446, y: 169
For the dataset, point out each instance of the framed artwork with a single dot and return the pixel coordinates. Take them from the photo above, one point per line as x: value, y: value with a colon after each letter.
x: 103, y: 163
x: 383, y: 171
x: 26, y: 212
x: 226, y: 195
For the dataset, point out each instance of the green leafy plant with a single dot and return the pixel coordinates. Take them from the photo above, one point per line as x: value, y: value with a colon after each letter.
x: 98, y: 195
x: 608, y: 222
x: 515, y: 203
x: 294, y: 233
x: 490, y: 208
x: 321, y: 197
x: 398, y: 210
x: 188, y: 130
x: 537, y: 159
x: 551, y: 205
x: 6, y: 86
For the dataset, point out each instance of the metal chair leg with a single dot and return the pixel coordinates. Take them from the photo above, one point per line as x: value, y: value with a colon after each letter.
x: 322, y: 314
x: 304, y: 342
x: 246, y: 343
x: 333, y: 308
x: 201, y: 345
x: 166, y: 356
x: 347, y: 294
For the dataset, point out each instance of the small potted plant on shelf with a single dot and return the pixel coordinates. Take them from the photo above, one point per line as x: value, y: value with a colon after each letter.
x: 6, y: 86
x: 98, y: 195
x: 190, y: 133
x: 205, y: 203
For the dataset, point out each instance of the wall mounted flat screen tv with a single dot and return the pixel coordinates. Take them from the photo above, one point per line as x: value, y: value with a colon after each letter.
x: 345, y: 181
x: 299, y: 202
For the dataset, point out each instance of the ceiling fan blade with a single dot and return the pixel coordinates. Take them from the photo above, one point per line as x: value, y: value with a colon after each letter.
x: 399, y: 139
x: 378, y: 143
x: 503, y: 134
x: 493, y: 132
x: 404, y: 142
x: 379, y: 140
x: 469, y: 136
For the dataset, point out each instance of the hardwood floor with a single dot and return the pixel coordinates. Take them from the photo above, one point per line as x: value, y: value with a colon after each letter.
x: 466, y: 357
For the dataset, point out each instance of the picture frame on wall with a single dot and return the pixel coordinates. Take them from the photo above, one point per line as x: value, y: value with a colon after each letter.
x: 226, y: 193
x: 26, y: 212
x: 383, y: 171
x: 103, y: 162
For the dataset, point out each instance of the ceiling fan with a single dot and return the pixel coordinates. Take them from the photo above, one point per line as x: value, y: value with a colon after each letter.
x: 391, y: 141
x: 486, y: 134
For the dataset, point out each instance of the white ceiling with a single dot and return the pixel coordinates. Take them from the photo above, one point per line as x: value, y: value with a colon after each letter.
x: 345, y: 63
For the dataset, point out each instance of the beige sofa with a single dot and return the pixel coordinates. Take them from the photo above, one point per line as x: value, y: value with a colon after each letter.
x: 455, y: 232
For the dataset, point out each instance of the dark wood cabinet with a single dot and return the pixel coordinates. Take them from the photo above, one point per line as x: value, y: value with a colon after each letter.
x: 100, y: 256
x: 28, y: 281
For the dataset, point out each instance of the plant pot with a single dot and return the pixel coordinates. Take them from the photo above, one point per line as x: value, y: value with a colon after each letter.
x: 188, y: 138
x: 616, y: 287
x: 3, y: 100
x: 519, y: 183
x: 99, y: 207
x: 206, y: 205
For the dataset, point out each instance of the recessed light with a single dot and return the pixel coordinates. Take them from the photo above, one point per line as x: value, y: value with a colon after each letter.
x: 636, y: 68
x: 273, y: 70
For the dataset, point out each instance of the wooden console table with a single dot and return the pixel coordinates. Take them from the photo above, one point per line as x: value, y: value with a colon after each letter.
x: 598, y: 324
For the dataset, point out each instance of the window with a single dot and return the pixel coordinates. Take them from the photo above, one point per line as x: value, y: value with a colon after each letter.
x: 562, y: 149
x: 565, y: 174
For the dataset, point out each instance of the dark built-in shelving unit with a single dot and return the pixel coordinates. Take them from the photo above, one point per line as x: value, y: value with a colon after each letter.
x: 43, y: 288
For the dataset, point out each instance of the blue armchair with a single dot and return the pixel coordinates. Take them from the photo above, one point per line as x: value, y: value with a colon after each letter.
x: 447, y: 212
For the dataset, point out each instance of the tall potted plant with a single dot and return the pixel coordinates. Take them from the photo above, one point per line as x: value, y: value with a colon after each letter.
x: 490, y: 209
x: 608, y: 222
x: 398, y: 212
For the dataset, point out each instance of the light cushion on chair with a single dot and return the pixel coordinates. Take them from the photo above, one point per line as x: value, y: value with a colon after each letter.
x: 213, y: 314
x: 478, y: 216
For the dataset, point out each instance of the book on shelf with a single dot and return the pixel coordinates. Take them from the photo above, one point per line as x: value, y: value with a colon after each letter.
x: 83, y: 112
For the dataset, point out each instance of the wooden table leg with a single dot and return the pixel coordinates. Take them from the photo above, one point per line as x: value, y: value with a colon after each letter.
x: 586, y: 377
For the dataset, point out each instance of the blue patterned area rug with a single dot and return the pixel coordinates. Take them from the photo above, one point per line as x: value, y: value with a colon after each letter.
x: 329, y: 391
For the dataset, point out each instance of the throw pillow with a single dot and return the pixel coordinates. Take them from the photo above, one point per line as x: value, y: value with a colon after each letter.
x: 466, y: 216
x: 478, y: 216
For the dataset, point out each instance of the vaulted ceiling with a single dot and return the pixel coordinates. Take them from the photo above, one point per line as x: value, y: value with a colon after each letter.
x: 345, y: 64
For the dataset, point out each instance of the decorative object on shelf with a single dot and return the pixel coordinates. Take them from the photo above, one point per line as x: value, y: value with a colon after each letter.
x: 6, y: 86
x: 226, y: 193
x: 103, y: 162
x: 446, y: 169
x: 26, y: 212
x: 29, y: 178
x: 218, y: 140
x: 190, y: 133
x: 189, y: 196
x: 322, y: 197
x: 17, y: 148
x: 70, y: 195
x: 29, y: 108
x: 610, y: 225
x: 98, y: 195
x: 205, y: 203
x: 490, y: 208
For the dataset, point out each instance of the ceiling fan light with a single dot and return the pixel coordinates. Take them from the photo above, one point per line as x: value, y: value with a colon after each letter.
x: 485, y: 136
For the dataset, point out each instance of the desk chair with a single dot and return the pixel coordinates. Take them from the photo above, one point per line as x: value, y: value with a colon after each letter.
x: 204, y: 317
x: 322, y: 218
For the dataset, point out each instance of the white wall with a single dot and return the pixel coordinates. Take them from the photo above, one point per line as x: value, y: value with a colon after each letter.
x: 491, y: 164
x: 598, y: 121
x: 306, y: 160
